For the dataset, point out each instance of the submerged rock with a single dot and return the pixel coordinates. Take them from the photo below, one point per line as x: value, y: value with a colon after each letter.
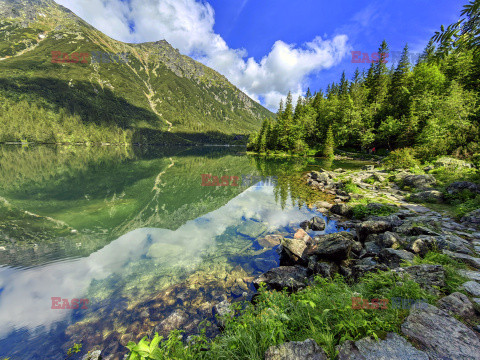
x: 394, y: 347
x: 441, y: 335
x: 296, y: 350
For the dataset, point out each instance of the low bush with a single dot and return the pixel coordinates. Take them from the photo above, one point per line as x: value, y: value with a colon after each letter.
x: 401, y: 159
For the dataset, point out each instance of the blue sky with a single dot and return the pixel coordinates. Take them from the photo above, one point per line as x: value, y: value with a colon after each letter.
x: 267, y: 47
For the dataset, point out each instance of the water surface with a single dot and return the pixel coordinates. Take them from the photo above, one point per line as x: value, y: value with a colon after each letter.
x: 134, y: 231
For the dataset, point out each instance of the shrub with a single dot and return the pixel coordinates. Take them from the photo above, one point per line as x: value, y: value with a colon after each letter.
x: 350, y: 187
x: 401, y: 159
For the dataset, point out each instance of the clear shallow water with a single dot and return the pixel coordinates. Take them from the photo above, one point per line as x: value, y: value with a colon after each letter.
x: 134, y: 232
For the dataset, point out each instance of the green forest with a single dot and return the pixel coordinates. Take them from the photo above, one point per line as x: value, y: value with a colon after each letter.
x: 430, y: 106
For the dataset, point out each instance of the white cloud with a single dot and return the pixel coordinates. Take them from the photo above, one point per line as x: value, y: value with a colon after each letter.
x: 188, y: 26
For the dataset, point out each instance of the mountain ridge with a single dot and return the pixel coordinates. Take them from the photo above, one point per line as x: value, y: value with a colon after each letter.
x: 173, y: 92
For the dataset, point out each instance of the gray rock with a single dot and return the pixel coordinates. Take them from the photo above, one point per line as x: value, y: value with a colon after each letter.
x: 317, y: 224
x: 359, y: 271
x: 457, y: 303
x: 419, y: 181
x: 94, y: 355
x: 459, y: 186
x: 372, y: 227
x: 472, y: 275
x: 292, y: 251
x: 452, y: 163
x: 394, y: 347
x: 290, y: 277
x: 366, y: 261
x: 372, y: 248
x: 390, y: 240
x: 429, y: 277
x: 323, y: 268
x: 342, y: 210
x: 467, y: 259
x: 428, y: 196
x: 335, y: 247
x: 472, y: 287
x: 472, y: 218
x: 296, y: 350
x: 393, y: 258
x: 441, y: 335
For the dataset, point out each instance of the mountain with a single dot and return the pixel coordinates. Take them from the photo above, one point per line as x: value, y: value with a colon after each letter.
x: 61, y: 80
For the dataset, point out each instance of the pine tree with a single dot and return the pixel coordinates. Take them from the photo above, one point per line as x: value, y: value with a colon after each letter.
x: 343, y: 88
x: 329, y: 144
x: 428, y: 54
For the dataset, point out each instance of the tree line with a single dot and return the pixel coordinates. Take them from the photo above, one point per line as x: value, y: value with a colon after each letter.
x: 431, y: 106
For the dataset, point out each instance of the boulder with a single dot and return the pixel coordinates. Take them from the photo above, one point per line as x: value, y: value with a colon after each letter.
x: 317, y: 224
x: 372, y: 227
x: 296, y: 350
x: 452, y: 163
x: 393, y: 258
x: 342, y: 210
x: 389, y: 240
x: 290, y: 277
x: 334, y: 247
x: 419, y: 181
x: 394, y: 347
x: 457, y: 303
x: 459, y: 186
x: 428, y: 196
x: 467, y: 259
x: 472, y: 218
x: 323, y: 268
x: 359, y: 271
x: 429, y: 277
x: 371, y: 248
x: 441, y: 335
x: 472, y: 275
x: 472, y: 287
x: 292, y: 251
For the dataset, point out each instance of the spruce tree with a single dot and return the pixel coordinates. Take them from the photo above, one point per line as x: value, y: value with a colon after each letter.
x: 329, y: 144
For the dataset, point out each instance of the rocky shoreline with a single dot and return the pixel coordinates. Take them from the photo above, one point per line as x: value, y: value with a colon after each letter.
x: 385, y: 243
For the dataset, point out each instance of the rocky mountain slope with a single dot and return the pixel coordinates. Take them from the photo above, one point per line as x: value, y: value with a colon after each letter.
x: 53, y: 59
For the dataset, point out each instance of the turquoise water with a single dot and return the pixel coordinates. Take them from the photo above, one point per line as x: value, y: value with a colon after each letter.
x: 133, y: 231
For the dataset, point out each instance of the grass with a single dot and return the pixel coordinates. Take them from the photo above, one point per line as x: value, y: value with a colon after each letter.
x: 361, y: 211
